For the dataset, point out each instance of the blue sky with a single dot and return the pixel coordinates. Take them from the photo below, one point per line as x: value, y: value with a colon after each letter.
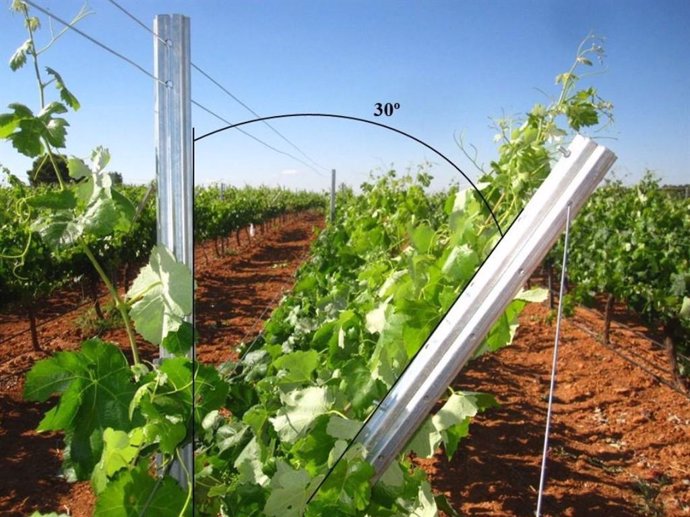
x: 452, y: 66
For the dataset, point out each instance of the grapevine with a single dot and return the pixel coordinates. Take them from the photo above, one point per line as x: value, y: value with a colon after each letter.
x: 376, y: 285
x: 632, y: 244
x: 273, y: 431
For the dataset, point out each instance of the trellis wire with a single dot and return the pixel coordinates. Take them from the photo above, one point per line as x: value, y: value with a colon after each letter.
x: 219, y: 85
x: 94, y: 41
x: 542, y: 475
x: 152, y: 76
x: 222, y: 119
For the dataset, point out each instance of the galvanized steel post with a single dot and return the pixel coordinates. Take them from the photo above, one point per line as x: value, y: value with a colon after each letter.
x: 173, y: 134
x: 495, y: 284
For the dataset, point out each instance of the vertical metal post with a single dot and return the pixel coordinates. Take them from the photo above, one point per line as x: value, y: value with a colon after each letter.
x: 332, y: 196
x: 173, y: 133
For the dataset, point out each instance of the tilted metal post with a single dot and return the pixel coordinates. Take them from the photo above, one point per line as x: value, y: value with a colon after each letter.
x: 173, y: 131
x: 500, y: 278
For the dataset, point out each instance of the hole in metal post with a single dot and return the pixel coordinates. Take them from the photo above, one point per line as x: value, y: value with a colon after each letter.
x: 563, y: 151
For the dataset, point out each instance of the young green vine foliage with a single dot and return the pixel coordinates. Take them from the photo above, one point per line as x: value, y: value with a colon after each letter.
x: 633, y: 243
x: 377, y: 283
x: 116, y: 416
x: 278, y: 424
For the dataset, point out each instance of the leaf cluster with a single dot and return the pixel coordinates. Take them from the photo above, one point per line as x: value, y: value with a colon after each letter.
x: 634, y: 242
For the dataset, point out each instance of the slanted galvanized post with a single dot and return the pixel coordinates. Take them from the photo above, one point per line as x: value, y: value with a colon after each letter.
x: 464, y: 327
x: 332, y: 196
x: 173, y: 133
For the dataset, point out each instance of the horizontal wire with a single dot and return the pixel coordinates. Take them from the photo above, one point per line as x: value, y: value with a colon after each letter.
x: 137, y: 21
x: 625, y: 357
x: 94, y: 41
x: 225, y: 90
x: 210, y: 112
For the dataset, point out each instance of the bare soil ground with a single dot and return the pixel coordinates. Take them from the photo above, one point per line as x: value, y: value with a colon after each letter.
x: 620, y: 442
x: 620, y: 439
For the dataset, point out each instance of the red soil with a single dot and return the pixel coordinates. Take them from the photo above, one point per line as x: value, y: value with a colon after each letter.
x: 620, y: 442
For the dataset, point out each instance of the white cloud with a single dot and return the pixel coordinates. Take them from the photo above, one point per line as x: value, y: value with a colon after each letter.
x: 289, y: 172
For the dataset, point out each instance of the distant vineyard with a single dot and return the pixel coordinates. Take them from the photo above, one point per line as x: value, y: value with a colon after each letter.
x: 34, y: 275
x: 632, y: 244
x: 219, y: 211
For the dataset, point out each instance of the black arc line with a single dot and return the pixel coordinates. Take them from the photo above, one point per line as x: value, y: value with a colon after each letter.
x: 366, y: 121
x: 395, y: 130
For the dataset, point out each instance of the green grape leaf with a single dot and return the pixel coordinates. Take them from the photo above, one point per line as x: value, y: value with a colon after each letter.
x: 425, y: 441
x: 65, y: 94
x: 8, y: 123
x: 135, y: 493
x: 393, y: 476
x: 95, y: 387
x: 389, y: 357
x: 180, y: 341
x: 60, y: 229
x: 18, y: 59
x: 358, y: 386
x: 56, y: 132
x: 376, y: 318
x: 313, y: 449
x: 449, y: 424
x: 168, y: 407
x: 100, y: 158
x: 27, y: 137
x: 460, y: 264
x: 296, y: 366
x: 534, y: 295
x: 426, y: 506
x: 78, y: 169
x: 210, y: 391
x: 99, y: 212
x: 56, y: 200
x: 685, y: 308
x: 120, y: 449
x: 348, y: 485
x: 161, y: 296
x: 339, y: 427
x: 290, y: 491
x: 300, y: 408
x: 249, y: 464
x: 422, y: 237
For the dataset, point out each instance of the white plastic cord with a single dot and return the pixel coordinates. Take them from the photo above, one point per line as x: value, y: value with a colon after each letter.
x: 542, y: 475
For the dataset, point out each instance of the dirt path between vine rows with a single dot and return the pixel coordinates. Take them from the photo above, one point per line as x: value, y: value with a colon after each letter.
x: 234, y: 293
x: 620, y: 442
x: 620, y: 438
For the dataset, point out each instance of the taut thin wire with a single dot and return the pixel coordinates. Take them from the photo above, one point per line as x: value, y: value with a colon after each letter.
x: 137, y: 21
x: 225, y: 90
x: 542, y: 475
x: 210, y: 112
x: 233, y: 97
x: 94, y: 41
